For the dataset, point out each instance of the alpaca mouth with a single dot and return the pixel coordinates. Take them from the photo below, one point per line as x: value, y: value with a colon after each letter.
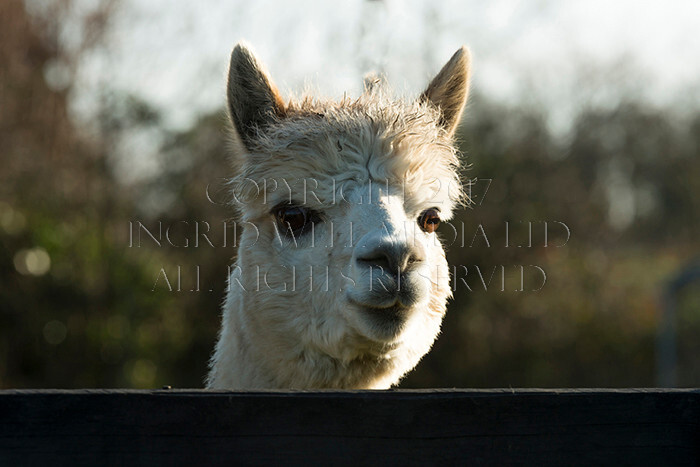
x: 388, y: 318
x: 395, y: 314
x: 386, y: 298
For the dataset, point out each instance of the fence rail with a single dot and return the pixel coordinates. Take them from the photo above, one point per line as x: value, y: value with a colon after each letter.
x: 426, y: 427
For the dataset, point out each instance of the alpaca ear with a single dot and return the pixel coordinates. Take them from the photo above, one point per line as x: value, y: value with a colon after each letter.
x: 449, y: 89
x: 253, y: 100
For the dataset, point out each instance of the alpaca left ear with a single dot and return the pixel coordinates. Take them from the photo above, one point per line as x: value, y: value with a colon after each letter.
x: 253, y: 100
x: 448, y: 91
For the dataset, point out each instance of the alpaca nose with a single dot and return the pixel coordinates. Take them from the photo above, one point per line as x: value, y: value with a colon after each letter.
x: 392, y: 257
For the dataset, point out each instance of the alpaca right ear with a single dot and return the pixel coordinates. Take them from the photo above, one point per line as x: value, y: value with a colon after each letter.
x: 253, y: 100
x: 448, y: 91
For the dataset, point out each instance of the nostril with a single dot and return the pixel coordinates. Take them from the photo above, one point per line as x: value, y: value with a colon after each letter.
x: 413, y: 258
x: 390, y: 257
x: 408, y: 257
x: 376, y: 260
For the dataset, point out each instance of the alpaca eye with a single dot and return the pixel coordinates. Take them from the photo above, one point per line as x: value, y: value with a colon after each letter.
x: 296, y: 219
x: 429, y: 220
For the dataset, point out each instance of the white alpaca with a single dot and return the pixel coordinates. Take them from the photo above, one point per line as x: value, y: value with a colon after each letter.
x: 340, y: 280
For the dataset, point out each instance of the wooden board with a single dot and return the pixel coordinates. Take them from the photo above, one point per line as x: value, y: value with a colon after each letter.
x: 431, y: 427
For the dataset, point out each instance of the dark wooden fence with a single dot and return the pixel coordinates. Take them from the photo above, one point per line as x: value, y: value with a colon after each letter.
x: 432, y: 427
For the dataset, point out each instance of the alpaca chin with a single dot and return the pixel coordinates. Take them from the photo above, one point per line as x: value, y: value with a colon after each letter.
x: 385, y: 324
x: 344, y: 286
x: 388, y: 306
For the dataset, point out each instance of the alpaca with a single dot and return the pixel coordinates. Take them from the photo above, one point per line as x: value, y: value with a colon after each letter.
x: 340, y: 280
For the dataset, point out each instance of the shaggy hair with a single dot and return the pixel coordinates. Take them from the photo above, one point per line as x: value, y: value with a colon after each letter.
x: 355, y: 296
x: 372, y: 138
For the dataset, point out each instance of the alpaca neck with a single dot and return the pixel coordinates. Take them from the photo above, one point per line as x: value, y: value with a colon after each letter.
x: 234, y: 364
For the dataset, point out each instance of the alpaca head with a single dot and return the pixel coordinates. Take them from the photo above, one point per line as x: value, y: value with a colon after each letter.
x: 340, y: 279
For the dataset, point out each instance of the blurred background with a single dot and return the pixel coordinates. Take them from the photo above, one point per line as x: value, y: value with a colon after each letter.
x: 584, y: 114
